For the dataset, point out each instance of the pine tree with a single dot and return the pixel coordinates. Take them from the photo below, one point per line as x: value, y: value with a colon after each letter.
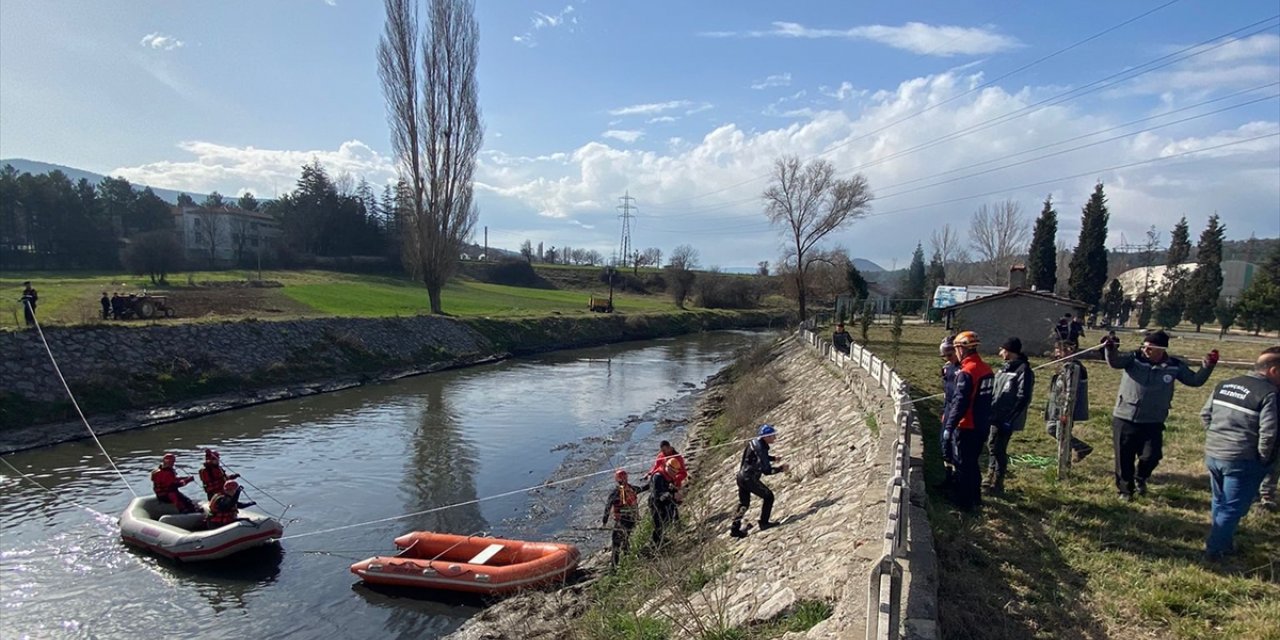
x: 1173, y: 289
x: 1113, y: 302
x: 914, y: 291
x: 935, y: 276
x: 1042, y: 261
x: 1089, y: 262
x: 1259, y: 307
x: 1205, y: 285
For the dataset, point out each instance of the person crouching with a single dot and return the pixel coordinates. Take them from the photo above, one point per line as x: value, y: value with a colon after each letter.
x: 225, y: 507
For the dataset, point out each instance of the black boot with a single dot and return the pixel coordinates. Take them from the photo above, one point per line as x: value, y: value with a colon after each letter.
x: 736, y: 531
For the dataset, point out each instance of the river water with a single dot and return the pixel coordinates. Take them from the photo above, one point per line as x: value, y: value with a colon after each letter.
x: 344, y: 458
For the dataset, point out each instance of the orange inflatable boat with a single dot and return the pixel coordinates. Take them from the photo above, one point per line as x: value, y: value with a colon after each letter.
x: 472, y: 564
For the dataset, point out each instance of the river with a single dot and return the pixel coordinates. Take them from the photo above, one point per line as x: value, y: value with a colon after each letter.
x: 343, y: 458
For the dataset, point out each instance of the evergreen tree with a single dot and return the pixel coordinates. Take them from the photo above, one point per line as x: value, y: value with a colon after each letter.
x: 1042, y: 261
x: 1205, y: 285
x: 1089, y: 262
x: 1113, y: 302
x: 247, y: 202
x: 935, y: 276
x: 1173, y: 289
x: 914, y: 290
x: 857, y: 284
x: 1259, y: 307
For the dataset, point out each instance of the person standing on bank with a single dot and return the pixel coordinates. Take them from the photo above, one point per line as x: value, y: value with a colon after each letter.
x: 668, y: 456
x: 106, y: 305
x: 1142, y: 405
x: 662, y: 502
x: 1055, y: 413
x: 950, y: 363
x: 29, y: 300
x: 624, y: 507
x: 969, y: 416
x: 1241, y: 443
x: 1010, y: 399
x: 841, y: 339
x: 756, y: 462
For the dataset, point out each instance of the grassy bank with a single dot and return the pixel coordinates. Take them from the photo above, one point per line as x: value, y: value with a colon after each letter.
x: 1070, y: 560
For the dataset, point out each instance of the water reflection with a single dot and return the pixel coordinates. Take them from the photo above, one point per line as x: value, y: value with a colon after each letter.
x: 442, y: 469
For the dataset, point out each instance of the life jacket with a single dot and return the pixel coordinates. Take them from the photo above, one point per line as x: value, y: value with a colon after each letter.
x: 624, y: 506
x: 164, y: 481
x: 982, y: 386
x: 674, y: 467
x: 223, y: 510
x: 212, y: 477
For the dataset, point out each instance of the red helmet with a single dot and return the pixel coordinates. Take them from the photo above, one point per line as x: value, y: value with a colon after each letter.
x: 230, y: 487
x: 620, y: 475
x: 210, y: 454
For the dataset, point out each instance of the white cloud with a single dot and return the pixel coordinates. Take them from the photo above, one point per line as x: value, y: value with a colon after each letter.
x: 651, y: 108
x: 625, y: 135
x: 1229, y: 64
x: 776, y: 80
x: 263, y: 171
x: 565, y: 18
x: 704, y: 191
x: 332, y: 3
x: 916, y: 37
x: 843, y: 92
x: 157, y: 40
x: 660, y: 119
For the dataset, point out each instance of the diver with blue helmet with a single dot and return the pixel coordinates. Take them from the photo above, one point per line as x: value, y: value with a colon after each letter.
x: 756, y: 463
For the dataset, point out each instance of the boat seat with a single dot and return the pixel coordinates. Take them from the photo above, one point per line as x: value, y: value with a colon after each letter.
x: 486, y: 555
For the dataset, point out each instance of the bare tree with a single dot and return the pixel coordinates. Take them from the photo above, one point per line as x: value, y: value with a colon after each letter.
x: 684, y: 258
x: 651, y: 257
x: 208, y: 231
x: 242, y: 232
x: 810, y: 202
x: 998, y: 234
x: 434, y: 114
x: 946, y: 243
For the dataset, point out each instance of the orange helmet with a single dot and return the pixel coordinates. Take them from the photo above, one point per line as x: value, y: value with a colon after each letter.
x: 673, y: 465
x: 966, y: 339
x: 230, y: 487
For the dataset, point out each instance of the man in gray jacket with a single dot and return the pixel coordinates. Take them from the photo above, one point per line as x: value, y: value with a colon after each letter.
x: 1240, y: 445
x: 1142, y: 405
x: 1009, y: 403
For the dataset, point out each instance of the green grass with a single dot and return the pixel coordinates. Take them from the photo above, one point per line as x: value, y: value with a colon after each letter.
x: 1069, y: 560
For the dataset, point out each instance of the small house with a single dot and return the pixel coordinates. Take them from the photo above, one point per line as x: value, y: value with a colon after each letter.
x: 1017, y: 312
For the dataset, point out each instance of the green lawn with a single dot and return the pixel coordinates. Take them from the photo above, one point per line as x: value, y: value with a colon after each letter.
x: 1069, y: 560
x: 72, y: 298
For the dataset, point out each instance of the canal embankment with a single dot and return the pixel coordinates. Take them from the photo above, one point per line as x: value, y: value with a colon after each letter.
x: 130, y: 377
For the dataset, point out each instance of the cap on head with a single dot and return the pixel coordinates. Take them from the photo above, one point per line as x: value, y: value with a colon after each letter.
x: 620, y: 475
x: 966, y: 339
x: 1012, y: 345
x: 946, y: 346
x: 231, y: 486
x: 768, y: 430
x: 1157, y: 339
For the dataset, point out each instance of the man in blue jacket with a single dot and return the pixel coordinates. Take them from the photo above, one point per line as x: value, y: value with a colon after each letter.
x: 1009, y: 403
x: 968, y: 415
x: 1142, y: 405
x: 950, y: 364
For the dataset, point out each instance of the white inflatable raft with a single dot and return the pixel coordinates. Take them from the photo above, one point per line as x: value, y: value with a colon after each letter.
x: 157, y: 527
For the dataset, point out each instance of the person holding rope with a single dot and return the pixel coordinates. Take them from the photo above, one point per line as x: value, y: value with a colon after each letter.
x: 29, y: 300
x: 756, y: 462
x: 969, y: 416
x: 950, y: 364
x: 1010, y: 399
x: 1142, y: 405
x: 667, y: 454
x: 1056, y: 411
x: 624, y: 507
x: 662, y: 501
x: 1241, y: 444
x: 224, y: 508
x: 166, y: 483
x: 212, y: 475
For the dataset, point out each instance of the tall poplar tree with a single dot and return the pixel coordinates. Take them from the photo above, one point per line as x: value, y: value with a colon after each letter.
x: 1173, y: 288
x: 1089, y: 262
x: 914, y: 291
x: 1042, y: 259
x: 1205, y: 285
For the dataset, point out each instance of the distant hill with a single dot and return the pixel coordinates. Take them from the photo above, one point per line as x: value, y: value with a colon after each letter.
x: 35, y: 167
x: 866, y: 266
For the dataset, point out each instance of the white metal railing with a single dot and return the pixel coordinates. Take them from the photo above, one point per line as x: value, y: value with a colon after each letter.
x: 885, y: 581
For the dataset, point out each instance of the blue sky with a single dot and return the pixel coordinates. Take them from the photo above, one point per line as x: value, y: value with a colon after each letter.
x: 686, y: 105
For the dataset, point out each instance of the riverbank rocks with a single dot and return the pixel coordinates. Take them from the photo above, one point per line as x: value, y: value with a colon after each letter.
x: 831, y: 506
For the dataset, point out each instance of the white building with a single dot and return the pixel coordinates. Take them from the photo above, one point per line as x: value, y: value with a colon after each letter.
x: 226, y: 236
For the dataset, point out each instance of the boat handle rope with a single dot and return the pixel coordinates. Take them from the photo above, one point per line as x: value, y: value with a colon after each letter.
x: 51, y: 492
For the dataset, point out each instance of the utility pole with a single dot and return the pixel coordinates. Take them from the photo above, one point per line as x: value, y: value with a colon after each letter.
x: 486, y: 243
x: 626, y: 208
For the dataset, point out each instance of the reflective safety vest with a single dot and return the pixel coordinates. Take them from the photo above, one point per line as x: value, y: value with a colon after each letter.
x: 223, y: 510
x: 212, y: 477
x: 624, y: 506
x: 164, y: 481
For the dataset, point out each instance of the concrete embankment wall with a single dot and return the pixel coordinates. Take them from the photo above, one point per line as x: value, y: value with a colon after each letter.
x: 120, y: 368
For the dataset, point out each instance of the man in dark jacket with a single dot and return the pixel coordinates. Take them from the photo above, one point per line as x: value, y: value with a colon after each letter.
x: 756, y: 462
x: 1241, y: 420
x: 106, y: 305
x: 950, y: 363
x: 624, y: 507
x: 1142, y: 405
x: 969, y: 416
x: 1010, y: 399
x: 29, y: 300
x: 841, y: 339
x: 662, y: 503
